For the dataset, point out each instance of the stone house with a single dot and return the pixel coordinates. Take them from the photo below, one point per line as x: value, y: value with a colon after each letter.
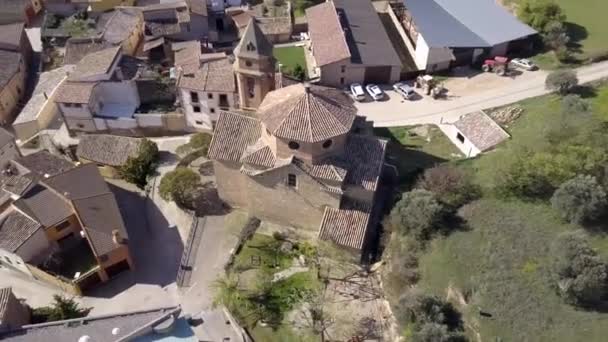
x: 301, y: 162
x: 108, y: 152
x: 123, y: 26
x: 349, y: 44
x: 15, y: 52
x: 98, y: 86
x: 206, y: 85
x: 51, y: 205
x: 13, y: 11
x: 41, y: 110
x: 277, y: 29
x: 13, y: 313
x: 8, y: 148
x: 177, y: 20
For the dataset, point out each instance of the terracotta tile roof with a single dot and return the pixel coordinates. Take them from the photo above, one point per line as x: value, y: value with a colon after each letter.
x: 188, y: 56
x: 94, y: 203
x: 10, y: 66
x: 77, y: 48
x: 96, y: 63
x: 6, y: 137
x: 18, y: 184
x: 74, y: 92
x: 44, y: 205
x: 268, y: 25
x: 364, y: 156
x: 44, y: 163
x: 281, y: 80
x: 117, y: 25
x: 481, y: 130
x: 16, y: 229
x: 233, y: 133
x: 6, y: 294
x: 328, y: 40
x: 254, y: 43
x: 11, y: 33
x: 307, y: 113
x: 344, y: 227
x: 107, y: 149
x: 212, y: 76
x: 259, y: 154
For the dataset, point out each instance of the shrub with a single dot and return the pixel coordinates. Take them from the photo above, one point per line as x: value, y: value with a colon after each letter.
x: 580, y: 199
x: 539, y: 14
x: 451, y: 185
x: 137, y: 169
x: 180, y: 186
x: 431, y: 317
x: 581, y: 276
x: 197, y: 142
x: 62, y: 308
x: 539, y: 174
x: 561, y: 81
x: 299, y: 73
x: 574, y: 119
x: 418, y: 212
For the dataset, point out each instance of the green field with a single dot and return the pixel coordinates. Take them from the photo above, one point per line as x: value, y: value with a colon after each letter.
x: 290, y: 57
x: 587, y: 28
x: 500, y: 262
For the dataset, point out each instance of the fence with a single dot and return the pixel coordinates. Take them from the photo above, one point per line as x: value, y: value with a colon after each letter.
x: 190, y: 250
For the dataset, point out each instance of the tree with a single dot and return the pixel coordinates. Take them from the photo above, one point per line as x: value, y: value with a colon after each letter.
x: 228, y: 294
x: 433, y: 319
x: 449, y: 184
x: 580, y: 199
x: 137, y: 169
x: 418, y: 212
x: 180, y: 186
x: 299, y: 73
x: 540, y: 13
x: 556, y: 37
x: 581, y: 276
x: 561, y: 81
x: 198, y: 141
x: 62, y: 308
x: 574, y: 118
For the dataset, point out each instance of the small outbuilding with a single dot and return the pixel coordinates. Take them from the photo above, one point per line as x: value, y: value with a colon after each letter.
x: 475, y: 133
x: 109, y: 152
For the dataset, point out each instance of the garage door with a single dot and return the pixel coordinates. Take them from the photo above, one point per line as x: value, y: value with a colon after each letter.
x: 378, y: 74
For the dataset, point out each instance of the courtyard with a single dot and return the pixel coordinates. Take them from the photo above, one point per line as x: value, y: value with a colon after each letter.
x: 290, y: 57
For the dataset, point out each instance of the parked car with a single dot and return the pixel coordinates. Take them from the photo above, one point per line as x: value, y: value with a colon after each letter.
x: 375, y: 92
x: 405, y: 90
x: 524, y: 63
x: 356, y: 90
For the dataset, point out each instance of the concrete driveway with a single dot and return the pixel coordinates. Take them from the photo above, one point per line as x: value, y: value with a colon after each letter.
x: 466, y: 95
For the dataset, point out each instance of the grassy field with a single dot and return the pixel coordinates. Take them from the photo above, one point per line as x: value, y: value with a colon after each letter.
x: 411, y: 152
x: 587, y: 27
x: 500, y: 263
x: 290, y: 57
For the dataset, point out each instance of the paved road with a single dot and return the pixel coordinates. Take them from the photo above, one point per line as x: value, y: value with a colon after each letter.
x: 396, y: 112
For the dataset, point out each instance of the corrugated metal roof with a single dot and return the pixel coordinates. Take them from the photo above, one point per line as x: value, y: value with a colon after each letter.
x: 465, y: 23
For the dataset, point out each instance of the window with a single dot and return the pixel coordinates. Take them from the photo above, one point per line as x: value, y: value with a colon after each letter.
x: 194, y: 96
x: 248, y: 63
x: 343, y: 68
x: 18, y: 90
x: 292, y: 180
x: 63, y: 225
x: 460, y: 137
x: 187, y: 27
x: 80, y: 125
x: 196, y: 109
x: 250, y: 87
x: 198, y: 122
x: 327, y: 143
x: 210, y: 96
x: 212, y: 110
x: 293, y: 145
x: 342, y: 80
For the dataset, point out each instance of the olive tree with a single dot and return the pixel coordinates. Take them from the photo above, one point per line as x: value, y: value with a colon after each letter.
x: 418, y: 212
x: 180, y: 186
x: 561, y: 81
x: 580, y: 199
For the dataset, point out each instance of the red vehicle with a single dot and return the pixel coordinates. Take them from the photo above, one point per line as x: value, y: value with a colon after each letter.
x: 499, y: 65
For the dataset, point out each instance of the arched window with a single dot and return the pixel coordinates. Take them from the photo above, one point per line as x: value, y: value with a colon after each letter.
x: 293, y: 145
x: 327, y: 143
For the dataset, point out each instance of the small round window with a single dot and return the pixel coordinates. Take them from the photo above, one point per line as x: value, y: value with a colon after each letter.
x: 248, y: 63
x: 293, y: 145
x: 327, y: 143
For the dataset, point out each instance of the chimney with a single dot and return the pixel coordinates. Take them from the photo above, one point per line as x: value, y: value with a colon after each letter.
x: 118, y: 240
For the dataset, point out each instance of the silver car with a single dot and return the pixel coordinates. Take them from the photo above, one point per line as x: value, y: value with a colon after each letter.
x: 524, y: 63
x: 405, y: 90
x: 356, y: 90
